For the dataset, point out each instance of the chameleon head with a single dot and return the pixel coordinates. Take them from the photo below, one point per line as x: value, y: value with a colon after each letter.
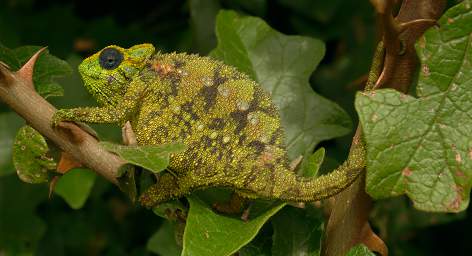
x: 107, y: 73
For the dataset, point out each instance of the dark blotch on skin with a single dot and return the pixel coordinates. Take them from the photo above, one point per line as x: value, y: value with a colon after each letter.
x: 188, y: 108
x: 217, y: 124
x: 257, y: 145
x: 218, y: 78
x: 206, y: 141
x: 240, y: 117
x: 242, y: 139
x: 175, y: 82
x: 209, y: 94
x: 241, y: 120
x: 277, y: 134
x: 178, y: 63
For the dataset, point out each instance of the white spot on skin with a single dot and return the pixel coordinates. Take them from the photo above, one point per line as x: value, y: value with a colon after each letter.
x: 242, y: 105
x: 264, y: 139
x: 177, y: 109
x: 200, y: 127
x: 226, y: 139
x: 223, y: 91
x: 182, y: 72
x: 213, y: 135
x: 206, y: 81
x: 252, y: 118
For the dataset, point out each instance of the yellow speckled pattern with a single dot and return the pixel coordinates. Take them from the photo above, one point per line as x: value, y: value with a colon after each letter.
x: 228, y: 122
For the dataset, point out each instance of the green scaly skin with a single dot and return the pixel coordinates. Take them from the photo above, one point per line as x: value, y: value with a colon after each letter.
x: 227, y: 121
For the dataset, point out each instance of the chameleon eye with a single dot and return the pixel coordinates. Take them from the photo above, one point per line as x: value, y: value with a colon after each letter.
x: 110, y: 58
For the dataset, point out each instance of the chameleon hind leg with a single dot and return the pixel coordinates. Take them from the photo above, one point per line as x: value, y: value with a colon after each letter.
x: 166, y: 188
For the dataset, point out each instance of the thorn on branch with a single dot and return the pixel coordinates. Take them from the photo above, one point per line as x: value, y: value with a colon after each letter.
x: 26, y: 72
x: 72, y: 130
x: 129, y: 137
x: 399, y: 35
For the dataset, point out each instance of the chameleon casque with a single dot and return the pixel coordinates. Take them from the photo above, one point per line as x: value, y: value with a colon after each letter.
x: 230, y: 126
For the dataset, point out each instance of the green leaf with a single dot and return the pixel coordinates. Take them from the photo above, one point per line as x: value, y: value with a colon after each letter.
x: 163, y: 241
x: 9, y: 124
x: 422, y: 147
x: 311, y: 165
x: 30, y: 156
x: 282, y: 65
x: 209, y: 233
x: 203, y: 16
x: 47, y: 68
x: 8, y: 57
x: 360, y: 250
x: 20, y: 228
x: 75, y: 186
x: 296, y: 232
x: 154, y: 158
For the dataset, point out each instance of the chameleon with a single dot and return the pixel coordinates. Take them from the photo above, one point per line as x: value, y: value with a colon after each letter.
x: 230, y: 126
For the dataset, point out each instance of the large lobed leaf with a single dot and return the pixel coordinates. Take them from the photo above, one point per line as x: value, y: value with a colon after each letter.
x: 422, y: 146
x: 209, y: 233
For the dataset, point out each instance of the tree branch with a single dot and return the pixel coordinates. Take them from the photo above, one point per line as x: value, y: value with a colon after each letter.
x: 348, y: 219
x: 17, y: 91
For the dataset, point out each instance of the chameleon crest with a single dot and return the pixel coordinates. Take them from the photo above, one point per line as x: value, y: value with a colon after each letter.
x: 229, y: 124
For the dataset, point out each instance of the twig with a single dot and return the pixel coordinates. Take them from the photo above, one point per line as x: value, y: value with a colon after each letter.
x: 17, y: 91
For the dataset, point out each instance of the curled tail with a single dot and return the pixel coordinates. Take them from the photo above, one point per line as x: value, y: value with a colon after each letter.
x: 302, y: 189
x: 285, y: 185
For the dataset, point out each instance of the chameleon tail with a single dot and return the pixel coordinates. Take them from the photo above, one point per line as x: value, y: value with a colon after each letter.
x: 285, y: 185
x: 303, y: 189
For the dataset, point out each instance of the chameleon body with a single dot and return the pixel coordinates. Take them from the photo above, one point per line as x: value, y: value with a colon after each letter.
x: 229, y: 124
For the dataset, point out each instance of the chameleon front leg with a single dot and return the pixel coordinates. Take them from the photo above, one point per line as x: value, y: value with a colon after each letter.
x: 118, y: 113
x: 88, y: 115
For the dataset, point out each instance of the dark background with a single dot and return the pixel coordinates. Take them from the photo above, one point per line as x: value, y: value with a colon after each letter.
x: 108, y: 224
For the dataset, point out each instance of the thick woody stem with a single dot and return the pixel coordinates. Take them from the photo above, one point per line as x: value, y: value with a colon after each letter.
x: 396, y: 58
x: 17, y: 91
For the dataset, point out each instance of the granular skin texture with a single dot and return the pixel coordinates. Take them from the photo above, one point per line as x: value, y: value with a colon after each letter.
x: 228, y: 123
